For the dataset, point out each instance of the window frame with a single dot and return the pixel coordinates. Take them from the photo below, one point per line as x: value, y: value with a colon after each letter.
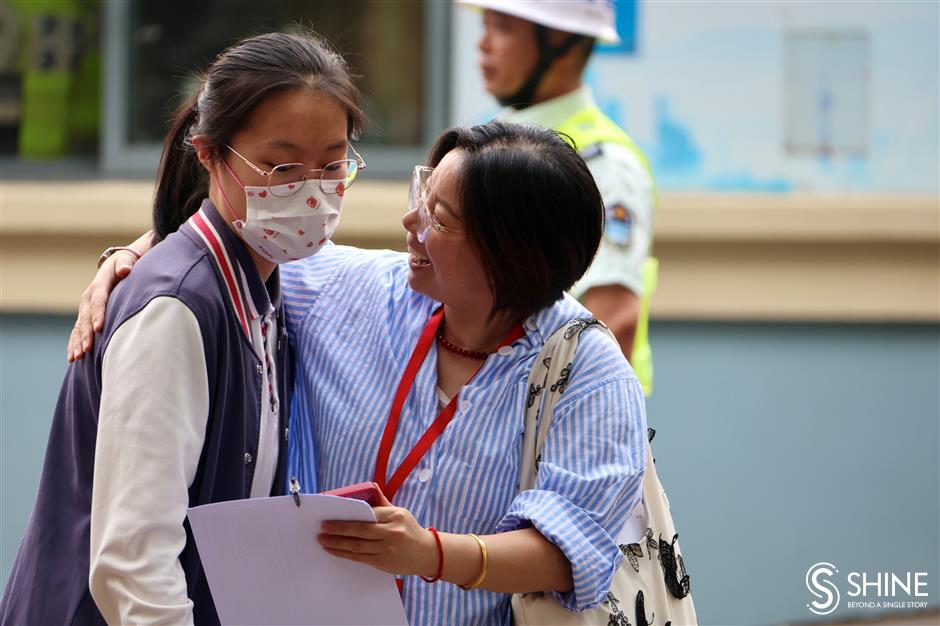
x: 119, y: 157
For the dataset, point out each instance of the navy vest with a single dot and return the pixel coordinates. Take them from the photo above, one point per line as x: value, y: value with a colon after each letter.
x: 48, y: 583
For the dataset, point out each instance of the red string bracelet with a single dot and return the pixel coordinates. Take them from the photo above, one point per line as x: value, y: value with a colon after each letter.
x: 440, y: 554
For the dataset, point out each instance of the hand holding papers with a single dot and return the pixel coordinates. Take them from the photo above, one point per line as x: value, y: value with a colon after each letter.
x: 264, y: 564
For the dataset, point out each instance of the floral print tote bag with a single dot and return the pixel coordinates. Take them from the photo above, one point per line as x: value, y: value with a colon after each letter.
x: 652, y: 582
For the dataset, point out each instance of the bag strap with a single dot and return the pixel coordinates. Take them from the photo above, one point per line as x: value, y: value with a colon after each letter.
x: 547, y: 382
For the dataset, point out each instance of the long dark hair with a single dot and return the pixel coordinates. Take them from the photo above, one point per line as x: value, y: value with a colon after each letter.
x: 530, y: 210
x: 236, y: 82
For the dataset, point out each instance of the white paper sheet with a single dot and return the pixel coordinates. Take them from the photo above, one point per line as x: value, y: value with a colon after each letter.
x: 264, y: 565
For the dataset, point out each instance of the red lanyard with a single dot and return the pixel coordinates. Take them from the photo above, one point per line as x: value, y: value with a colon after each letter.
x: 390, y: 488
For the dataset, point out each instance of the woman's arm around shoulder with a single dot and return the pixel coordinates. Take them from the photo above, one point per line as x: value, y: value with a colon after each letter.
x: 590, y: 471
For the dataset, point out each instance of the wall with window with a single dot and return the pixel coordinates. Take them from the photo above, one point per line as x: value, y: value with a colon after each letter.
x: 764, y: 97
x: 91, y: 84
x: 397, y: 49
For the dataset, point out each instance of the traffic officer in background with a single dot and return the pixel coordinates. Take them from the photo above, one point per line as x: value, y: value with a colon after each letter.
x: 532, y: 55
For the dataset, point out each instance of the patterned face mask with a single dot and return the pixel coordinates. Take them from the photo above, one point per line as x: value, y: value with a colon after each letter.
x: 287, y: 226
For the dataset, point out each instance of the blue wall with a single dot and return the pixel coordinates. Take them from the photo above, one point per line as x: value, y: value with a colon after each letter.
x: 780, y: 446
x: 785, y: 445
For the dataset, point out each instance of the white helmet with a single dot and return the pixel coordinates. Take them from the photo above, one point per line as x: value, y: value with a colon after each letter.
x: 594, y: 18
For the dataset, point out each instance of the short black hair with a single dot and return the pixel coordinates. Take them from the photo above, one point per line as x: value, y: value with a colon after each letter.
x: 530, y: 209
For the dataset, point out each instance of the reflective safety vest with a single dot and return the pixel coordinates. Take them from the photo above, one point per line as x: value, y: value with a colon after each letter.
x: 587, y: 128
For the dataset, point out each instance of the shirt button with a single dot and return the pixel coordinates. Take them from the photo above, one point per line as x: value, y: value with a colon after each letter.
x: 424, y: 475
x: 506, y: 350
x: 464, y: 405
x: 248, y: 458
x: 259, y: 369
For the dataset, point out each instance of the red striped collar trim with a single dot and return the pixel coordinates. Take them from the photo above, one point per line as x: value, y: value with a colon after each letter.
x: 228, y: 267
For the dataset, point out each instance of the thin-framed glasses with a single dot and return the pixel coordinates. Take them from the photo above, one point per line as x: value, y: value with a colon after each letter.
x: 289, y: 178
x: 418, y: 201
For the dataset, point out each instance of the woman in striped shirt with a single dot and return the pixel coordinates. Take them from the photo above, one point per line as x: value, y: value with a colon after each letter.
x: 412, y: 371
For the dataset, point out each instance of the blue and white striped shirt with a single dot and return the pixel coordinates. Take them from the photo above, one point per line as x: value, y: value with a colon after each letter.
x: 355, y: 321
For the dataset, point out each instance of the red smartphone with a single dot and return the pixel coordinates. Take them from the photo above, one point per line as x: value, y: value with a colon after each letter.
x: 367, y: 492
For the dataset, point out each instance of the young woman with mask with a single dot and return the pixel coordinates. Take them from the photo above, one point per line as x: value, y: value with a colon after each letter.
x: 185, y: 398
x: 412, y: 369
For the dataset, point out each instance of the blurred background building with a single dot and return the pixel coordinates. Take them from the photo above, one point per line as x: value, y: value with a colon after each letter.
x: 796, y: 329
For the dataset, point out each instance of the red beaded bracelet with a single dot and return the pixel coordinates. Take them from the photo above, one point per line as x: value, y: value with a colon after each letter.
x: 440, y: 554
